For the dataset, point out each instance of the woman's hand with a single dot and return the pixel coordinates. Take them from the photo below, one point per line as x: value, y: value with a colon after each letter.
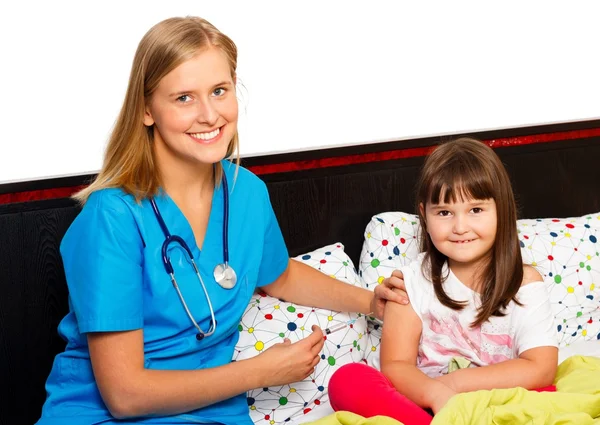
x: 285, y: 362
x: 391, y: 289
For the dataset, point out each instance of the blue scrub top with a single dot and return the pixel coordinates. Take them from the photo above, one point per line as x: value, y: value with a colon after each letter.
x: 117, y: 282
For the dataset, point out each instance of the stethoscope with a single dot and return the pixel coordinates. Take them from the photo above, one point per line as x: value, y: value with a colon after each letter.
x: 224, y: 274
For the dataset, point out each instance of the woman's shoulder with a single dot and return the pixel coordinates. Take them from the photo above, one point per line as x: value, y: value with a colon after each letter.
x: 110, y: 203
x: 113, y: 197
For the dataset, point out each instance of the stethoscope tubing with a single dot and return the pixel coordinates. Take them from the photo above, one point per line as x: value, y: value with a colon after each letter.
x: 174, y: 238
x: 178, y: 240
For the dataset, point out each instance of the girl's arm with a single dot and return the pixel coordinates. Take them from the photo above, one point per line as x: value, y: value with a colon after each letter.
x: 130, y: 390
x: 399, y: 347
x: 302, y: 284
x: 537, y: 364
x: 535, y: 368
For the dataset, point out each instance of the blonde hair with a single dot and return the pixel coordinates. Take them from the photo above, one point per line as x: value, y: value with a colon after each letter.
x: 129, y: 158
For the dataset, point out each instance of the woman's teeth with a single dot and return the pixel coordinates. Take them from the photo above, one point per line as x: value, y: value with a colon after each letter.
x: 206, y: 136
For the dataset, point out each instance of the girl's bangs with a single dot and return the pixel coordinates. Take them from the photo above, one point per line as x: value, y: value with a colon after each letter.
x: 460, y: 182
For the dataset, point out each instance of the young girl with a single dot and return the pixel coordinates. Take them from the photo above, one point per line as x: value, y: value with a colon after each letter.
x: 478, y: 318
x: 170, y: 244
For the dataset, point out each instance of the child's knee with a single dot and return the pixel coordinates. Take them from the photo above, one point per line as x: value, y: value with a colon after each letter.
x: 343, y: 385
x: 346, y: 385
x: 342, y: 377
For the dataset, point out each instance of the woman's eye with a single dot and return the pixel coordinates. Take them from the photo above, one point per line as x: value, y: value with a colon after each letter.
x: 219, y: 92
x: 184, y: 98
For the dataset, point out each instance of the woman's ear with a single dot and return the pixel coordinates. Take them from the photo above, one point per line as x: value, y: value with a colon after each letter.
x: 148, y: 119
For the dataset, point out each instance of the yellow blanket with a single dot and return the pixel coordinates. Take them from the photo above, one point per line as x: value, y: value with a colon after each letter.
x: 577, y: 402
x: 347, y: 418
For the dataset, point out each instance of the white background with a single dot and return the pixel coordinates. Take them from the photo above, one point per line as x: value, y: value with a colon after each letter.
x: 314, y: 73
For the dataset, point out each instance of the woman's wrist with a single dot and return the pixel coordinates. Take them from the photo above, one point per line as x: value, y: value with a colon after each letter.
x: 256, y: 373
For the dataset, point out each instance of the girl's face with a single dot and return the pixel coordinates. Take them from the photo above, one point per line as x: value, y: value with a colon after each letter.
x: 194, y: 110
x: 464, y: 231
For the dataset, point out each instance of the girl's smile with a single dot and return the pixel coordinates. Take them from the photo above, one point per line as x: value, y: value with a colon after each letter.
x: 463, y: 231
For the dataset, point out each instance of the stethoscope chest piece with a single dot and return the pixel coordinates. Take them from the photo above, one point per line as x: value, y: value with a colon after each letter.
x: 225, y: 275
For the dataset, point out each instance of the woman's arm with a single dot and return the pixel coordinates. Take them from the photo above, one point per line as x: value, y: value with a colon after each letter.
x: 399, y: 348
x: 302, y: 284
x: 130, y: 390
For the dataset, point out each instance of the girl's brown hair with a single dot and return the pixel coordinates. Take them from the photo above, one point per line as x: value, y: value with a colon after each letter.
x: 466, y: 169
x: 129, y: 158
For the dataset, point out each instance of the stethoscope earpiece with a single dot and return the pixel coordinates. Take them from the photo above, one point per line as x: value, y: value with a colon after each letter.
x: 224, y: 274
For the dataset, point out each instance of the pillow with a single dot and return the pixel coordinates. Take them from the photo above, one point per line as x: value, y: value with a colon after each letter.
x: 372, y: 343
x: 566, y: 252
x: 595, y: 220
x: 267, y: 321
x: 390, y: 242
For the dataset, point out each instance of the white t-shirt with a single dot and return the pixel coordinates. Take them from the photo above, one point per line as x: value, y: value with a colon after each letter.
x: 447, y: 333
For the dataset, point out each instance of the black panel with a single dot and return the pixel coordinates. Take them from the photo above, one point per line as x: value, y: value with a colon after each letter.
x: 319, y: 207
x: 33, y: 300
x: 314, y: 208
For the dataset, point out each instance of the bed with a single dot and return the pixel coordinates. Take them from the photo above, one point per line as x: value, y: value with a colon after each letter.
x: 335, y: 208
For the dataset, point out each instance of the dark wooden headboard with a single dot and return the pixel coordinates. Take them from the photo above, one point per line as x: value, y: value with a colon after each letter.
x: 319, y: 197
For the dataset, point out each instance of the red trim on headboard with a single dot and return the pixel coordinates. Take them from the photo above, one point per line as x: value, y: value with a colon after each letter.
x: 39, y: 195
x: 337, y: 161
x: 414, y: 152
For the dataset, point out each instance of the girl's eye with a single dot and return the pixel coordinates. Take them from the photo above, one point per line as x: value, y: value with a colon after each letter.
x: 184, y: 98
x: 444, y: 213
x: 219, y: 92
x: 477, y: 210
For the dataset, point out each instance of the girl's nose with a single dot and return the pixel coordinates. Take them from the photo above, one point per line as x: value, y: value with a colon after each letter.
x: 460, y: 225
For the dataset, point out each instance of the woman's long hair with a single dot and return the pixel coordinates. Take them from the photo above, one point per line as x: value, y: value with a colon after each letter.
x: 466, y: 169
x: 129, y: 159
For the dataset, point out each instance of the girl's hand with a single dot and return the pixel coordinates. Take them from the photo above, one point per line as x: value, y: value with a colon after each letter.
x: 391, y: 289
x: 285, y: 362
x: 439, y: 397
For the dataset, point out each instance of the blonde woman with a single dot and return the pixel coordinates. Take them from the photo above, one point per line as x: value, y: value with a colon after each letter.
x: 172, y: 241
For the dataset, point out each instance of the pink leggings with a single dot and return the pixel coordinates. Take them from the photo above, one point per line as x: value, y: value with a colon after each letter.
x: 363, y: 390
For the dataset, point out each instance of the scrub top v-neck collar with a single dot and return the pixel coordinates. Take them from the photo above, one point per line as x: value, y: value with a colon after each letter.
x: 178, y: 224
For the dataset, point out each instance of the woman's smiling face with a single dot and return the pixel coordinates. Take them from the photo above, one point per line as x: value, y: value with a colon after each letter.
x: 194, y: 110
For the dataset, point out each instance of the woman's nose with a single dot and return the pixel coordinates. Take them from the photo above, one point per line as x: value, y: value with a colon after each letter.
x: 207, y: 113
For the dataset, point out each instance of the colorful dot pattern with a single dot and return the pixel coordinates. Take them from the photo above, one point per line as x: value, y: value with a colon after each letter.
x: 567, y: 254
x: 391, y: 241
x: 565, y: 251
x: 372, y: 344
x: 268, y: 321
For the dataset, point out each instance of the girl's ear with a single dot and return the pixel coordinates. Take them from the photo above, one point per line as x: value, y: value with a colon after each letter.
x: 148, y: 119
